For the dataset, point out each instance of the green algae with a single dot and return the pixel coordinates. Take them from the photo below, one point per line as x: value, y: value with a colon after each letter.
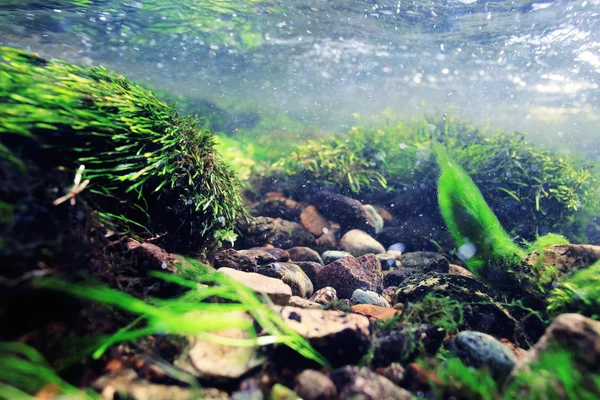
x: 577, y: 292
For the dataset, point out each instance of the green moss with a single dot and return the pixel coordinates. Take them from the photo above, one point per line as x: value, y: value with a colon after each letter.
x: 578, y: 292
x: 151, y: 173
x: 470, y: 220
x: 531, y: 190
x: 464, y: 382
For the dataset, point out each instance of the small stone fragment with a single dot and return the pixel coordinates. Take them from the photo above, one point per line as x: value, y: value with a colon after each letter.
x: 361, y: 383
x: 330, y: 256
x: 277, y: 291
x: 357, y: 243
x: 312, y: 220
x: 324, y: 295
x: 304, y: 254
x: 360, y: 296
x: 348, y: 274
x: 314, y: 385
x: 290, y: 274
x: 478, y: 350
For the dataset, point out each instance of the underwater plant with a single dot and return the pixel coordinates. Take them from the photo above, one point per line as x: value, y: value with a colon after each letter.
x: 531, y: 190
x: 148, y: 172
x: 578, y: 292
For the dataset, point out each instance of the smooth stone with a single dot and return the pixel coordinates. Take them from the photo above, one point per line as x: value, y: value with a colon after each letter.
x: 360, y: 383
x: 324, y: 295
x: 358, y: 243
x: 275, y: 289
x: 314, y: 385
x: 330, y: 256
x: 311, y: 269
x: 478, y: 350
x: 348, y: 274
x: 291, y: 274
x: 342, y: 338
x: 375, y: 216
x: 312, y: 220
x: 360, y: 296
x: 304, y: 254
x: 375, y: 313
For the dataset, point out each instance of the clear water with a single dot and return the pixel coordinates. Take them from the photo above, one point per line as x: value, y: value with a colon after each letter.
x: 519, y: 65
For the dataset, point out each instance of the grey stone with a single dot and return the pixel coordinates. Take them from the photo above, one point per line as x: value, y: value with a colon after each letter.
x: 290, y: 274
x: 368, y: 297
x: 358, y: 243
x: 330, y: 256
x: 426, y: 261
x: 478, y: 350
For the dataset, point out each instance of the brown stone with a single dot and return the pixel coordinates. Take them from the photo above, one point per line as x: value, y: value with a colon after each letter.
x: 304, y: 254
x: 275, y: 289
x: 312, y: 220
x: 230, y: 258
x: 348, y: 274
x: 279, y: 254
x: 566, y: 257
x: 375, y: 313
x: 314, y: 385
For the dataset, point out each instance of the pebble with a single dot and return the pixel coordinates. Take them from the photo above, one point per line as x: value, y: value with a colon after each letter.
x: 358, y: 243
x: 360, y: 296
x: 330, y: 256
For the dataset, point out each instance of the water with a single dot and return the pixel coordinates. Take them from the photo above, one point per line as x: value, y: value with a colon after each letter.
x: 519, y: 65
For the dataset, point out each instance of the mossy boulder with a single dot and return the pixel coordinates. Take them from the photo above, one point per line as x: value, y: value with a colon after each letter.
x: 139, y: 168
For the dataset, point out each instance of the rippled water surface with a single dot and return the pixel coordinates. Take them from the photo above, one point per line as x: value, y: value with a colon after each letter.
x: 521, y: 65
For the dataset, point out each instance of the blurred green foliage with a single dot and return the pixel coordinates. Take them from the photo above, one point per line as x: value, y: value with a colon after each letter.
x: 577, y: 292
x: 532, y: 191
x: 151, y: 173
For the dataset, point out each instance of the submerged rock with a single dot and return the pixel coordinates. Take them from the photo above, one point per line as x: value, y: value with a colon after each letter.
x: 425, y: 261
x: 314, y: 222
x: 275, y: 289
x: 358, y: 243
x: 566, y: 257
x: 259, y: 231
x: 330, y: 256
x: 314, y: 385
x: 340, y: 337
x: 397, y: 276
x: 279, y: 254
x: 348, y: 274
x: 279, y: 207
x: 360, y: 296
x: 361, y: 383
x: 349, y: 213
x: 324, y: 295
x: 404, y: 344
x: 375, y: 313
x: 478, y: 350
x: 290, y: 274
x: 230, y: 258
x: 304, y: 254
x: 376, y: 217
x: 311, y: 269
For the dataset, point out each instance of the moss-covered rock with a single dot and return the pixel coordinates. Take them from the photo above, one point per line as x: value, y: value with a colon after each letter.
x: 139, y: 168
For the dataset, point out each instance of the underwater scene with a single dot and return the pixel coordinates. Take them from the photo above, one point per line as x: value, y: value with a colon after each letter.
x: 319, y: 200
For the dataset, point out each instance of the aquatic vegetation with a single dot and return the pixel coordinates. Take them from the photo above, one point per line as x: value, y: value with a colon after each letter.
x: 151, y: 173
x: 438, y: 311
x: 532, y: 191
x: 465, y: 382
x: 577, y: 292
x: 470, y: 220
x: 25, y: 372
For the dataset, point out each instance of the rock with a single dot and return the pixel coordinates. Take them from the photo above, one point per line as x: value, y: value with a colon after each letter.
x: 395, y: 253
x: 566, y: 257
x: 387, y: 261
x: 342, y: 338
x: 397, y: 276
x: 360, y: 296
x: 304, y: 254
x: 259, y: 231
x: 260, y: 257
x: 377, y: 219
x: 458, y: 270
x: 375, y: 313
x: 389, y: 292
x: 290, y: 274
x: 279, y: 254
x: 296, y: 301
x: 417, y: 234
x: 328, y: 241
x: 357, y: 243
x: 280, y: 207
x: 480, y: 311
x: 147, y: 255
x: 324, y: 295
x: 361, y: 383
x: 332, y: 255
x: 311, y: 269
x: 230, y: 258
x: 348, y: 274
x: 312, y: 220
x: 579, y: 336
x: 420, y: 379
x: 281, y: 392
x: 349, y: 213
x: 404, y: 343
x: 314, y: 385
x: 394, y: 372
x: 478, y: 350
x: 211, y: 360
x: 278, y: 292
x: 426, y: 261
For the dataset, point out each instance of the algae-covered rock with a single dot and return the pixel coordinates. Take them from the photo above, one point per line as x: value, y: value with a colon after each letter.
x: 85, y: 136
